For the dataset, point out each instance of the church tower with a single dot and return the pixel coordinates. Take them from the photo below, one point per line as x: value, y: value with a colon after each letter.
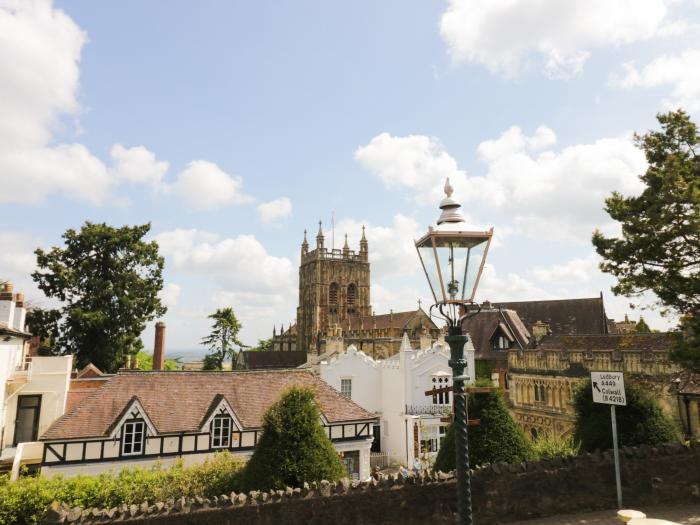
x: 333, y: 287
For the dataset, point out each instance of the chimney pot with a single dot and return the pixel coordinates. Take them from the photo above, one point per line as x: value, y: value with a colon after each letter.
x: 159, y: 347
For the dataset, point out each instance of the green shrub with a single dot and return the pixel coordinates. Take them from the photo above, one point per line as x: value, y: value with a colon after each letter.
x: 293, y: 447
x: 25, y: 501
x: 496, y: 438
x: 551, y: 446
x: 640, y: 422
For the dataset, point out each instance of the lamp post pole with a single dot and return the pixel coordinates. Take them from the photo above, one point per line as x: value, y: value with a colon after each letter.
x: 457, y: 362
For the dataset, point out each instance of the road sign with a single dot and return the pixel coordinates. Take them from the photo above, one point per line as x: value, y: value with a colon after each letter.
x: 608, y: 388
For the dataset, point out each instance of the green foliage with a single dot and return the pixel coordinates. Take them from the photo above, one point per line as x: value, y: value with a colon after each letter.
x: 293, y: 448
x: 642, y: 327
x: 25, y: 501
x: 146, y: 362
x: 263, y: 345
x: 640, y: 422
x: 108, y: 280
x: 659, y: 250
x: 686, y: 351
x: 552, y: 446
x: 46, y: 325
x: 483, y: 369
x: 223, y: 339
x: 497, y: 438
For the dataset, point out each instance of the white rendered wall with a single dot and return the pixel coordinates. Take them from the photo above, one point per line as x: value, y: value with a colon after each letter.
x: 11, y: 354
x: 364, y: 373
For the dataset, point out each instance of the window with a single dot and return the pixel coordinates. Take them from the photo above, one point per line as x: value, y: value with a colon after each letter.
x: 352, y: 294
x: 27, y: 419
x: 221, y: 431
x: 441, y: 398
x: 346, y: 388
x: 500, y: 342
x: 333, y: 294
x: 133, y: 434
x: 543, y: 397
x: 537, y: 393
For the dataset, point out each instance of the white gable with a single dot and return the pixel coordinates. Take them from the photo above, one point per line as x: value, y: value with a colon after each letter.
x: 134, y: 411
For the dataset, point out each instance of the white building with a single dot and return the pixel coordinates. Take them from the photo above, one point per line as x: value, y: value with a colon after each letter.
x: 412, y: 421
x: 33, y: 390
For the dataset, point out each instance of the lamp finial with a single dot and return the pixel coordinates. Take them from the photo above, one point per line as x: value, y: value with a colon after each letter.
x: 448, y: 188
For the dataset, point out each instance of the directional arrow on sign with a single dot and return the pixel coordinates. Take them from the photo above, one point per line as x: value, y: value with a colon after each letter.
x: 595, y: 385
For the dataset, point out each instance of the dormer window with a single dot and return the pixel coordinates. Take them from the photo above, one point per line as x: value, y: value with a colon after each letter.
x: 221, y: 431
x: 133, y: 437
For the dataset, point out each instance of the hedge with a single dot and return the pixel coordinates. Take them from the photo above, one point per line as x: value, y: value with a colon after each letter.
x: 25, y: 501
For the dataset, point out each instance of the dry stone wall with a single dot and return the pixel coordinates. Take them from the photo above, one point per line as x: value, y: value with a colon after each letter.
x: 501, y: 493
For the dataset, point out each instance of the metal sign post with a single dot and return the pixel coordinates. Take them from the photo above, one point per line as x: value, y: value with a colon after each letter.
x: 609, y: 389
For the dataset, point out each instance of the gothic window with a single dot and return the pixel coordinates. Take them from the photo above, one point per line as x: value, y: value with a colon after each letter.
x: 133, y: 434
x: 533, y: 433
x: 352, y: 294
x: 543, y: 397
x: 537, y: 393
x: 221, y: 431
x: 333, y: 294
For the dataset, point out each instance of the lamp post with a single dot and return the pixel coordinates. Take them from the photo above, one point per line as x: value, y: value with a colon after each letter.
x: 453, y: 256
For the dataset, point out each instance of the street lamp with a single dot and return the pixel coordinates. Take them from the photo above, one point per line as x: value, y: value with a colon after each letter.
x: 453, y: 256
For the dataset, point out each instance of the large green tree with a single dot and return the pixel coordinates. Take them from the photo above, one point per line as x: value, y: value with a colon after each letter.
x: 108, y: 280
x: 222, y: 341
x: 659, y: 249
x: 641, y: 421
x: 293, y: 447
x: 496, y: 438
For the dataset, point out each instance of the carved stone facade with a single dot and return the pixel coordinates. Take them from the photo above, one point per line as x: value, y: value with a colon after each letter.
x: 543, y: 380
x: 334, y: 287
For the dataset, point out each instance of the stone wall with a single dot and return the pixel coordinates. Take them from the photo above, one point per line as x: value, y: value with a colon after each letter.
x: 501, y: 493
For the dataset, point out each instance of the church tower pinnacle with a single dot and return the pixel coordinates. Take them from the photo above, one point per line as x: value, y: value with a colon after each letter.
x: 364, y: 246
x: 319, y: 237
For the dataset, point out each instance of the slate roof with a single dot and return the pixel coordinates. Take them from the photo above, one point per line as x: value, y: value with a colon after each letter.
x: 482, y: 327
x: 564, y: 316
x: 176, y: 401
x: 265, y: 360
x: 7, y: 330
x: 654, y: 342
x: 689, y: 383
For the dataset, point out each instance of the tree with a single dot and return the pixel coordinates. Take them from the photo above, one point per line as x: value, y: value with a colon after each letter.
x: 496, y: 438
x: 108, y: 280
x: 642, y: 327
x: 146, y: 362
x: 45, y: 324
x: 641, y: 421
x: 223, y: 339
x: 293, y: 448
x: 659, y: 250
x: 263, y: 345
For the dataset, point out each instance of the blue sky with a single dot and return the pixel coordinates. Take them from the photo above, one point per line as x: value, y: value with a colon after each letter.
x: 234, y: 126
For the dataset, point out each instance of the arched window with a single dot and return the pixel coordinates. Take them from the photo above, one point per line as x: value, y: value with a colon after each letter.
x: 352, y: 294
x: 533, y: 433
x: 543, y: 397
x: 333, y: 294
x: 537, y: 393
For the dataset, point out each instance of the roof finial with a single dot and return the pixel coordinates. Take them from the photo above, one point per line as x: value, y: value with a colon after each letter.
x: 346, y: 247
x: 448, y: 188
x: 320, y: 229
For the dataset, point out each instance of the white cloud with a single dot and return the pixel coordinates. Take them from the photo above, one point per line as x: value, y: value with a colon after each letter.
x: 392, y: 252
x: 170, y: 294
x: 204, y: 186
x: 39, y: 80
x: 240, y: 264
x: 415, y: 162
x: 503, y: 34
x: 275, y: 210
x: 137, y: 165
x: 512, y: 287
x: 679, y: 72
x: 576, y: 271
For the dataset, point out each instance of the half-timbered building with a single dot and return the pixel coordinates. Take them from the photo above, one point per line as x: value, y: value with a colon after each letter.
x: 139, y: 418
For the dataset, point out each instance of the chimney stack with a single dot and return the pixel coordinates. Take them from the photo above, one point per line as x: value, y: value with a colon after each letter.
x: 7, y: 305
x: 159, y: 346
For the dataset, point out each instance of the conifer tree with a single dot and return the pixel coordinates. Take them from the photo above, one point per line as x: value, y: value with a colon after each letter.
x: 496, y: 438
x: 293, y: 447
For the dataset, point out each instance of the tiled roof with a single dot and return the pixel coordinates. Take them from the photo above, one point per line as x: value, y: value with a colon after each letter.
x: 384, y: 321
x: 689, y: 383
x: 660, y: 342
x: 177, y: 401
x: 564, y: 316
x: 482, y: 326
x: 268, y: 359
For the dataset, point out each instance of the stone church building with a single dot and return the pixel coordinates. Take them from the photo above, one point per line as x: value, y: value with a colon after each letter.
x: 335, y: 309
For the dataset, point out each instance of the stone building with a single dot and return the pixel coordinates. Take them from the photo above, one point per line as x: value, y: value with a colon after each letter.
x: 334, y: 307
x: 544, y: 378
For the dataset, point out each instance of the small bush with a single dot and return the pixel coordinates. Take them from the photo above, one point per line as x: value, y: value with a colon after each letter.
x: 497, y: 438
x: 25, y: 501
x: 293, y: 447
x: 551, y: 446
x: 640, y: 422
